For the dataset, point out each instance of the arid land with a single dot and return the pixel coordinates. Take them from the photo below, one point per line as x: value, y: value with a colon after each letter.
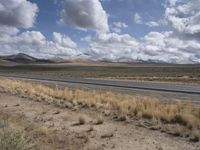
x: 184, y: 74
x: 54, y: 118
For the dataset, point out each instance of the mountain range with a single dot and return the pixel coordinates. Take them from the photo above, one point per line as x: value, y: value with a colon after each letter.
x: 23, y: 58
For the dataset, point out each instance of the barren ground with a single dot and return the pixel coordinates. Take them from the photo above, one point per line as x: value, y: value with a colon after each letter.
x: 51, y: 127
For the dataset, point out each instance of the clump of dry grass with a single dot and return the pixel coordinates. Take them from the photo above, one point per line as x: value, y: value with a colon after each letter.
x: 11, y: 139
x: 184, y: 114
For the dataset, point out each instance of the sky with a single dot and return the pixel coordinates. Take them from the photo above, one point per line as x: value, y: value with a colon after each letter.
x: 104, y: 30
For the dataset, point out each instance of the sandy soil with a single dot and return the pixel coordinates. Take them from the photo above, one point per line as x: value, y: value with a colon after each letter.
x: 73, y: 136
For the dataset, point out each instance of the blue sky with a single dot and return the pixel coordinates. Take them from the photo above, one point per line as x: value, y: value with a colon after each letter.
x: 118, y: 11
x: 112, y: 30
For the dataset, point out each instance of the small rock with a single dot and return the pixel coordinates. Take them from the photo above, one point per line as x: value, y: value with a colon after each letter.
x: 51, y: 125
x: 107, y: 135
x: 56, y: 112
x: 121, y: 118
x: 194, y: 139
x: 160, y: 148
x: 156, y: 127
x: 80, y: 136
x: 16, y: 105
x: 106, y: 113
x: 90, y: 129
x: 75, y: 108
x: 68, y: 105
x: 44, y: 112
x: 49, y: 119
x: 113, y: 146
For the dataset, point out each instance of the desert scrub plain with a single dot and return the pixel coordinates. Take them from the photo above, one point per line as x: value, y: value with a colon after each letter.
x: 55, y: 118
x: 187, y: 74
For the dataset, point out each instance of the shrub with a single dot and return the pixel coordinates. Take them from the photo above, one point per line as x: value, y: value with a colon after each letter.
x: 13, y: 140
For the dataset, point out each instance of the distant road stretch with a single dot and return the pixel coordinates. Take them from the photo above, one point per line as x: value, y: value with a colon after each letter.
x: 160, y: 87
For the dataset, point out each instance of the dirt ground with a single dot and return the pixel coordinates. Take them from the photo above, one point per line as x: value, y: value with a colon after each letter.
x: 58, y: 128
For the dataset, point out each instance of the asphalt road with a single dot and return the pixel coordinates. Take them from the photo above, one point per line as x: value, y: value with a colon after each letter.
x: 178, y: 91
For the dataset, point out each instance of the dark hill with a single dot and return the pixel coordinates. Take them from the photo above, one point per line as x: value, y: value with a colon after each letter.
x: 24, y: 58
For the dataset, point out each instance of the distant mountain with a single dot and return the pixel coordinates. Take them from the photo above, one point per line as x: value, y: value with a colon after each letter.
x: 24, y: 58
x: 27, y: 59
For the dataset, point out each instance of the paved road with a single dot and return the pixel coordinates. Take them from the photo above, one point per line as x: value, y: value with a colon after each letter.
x: 165, y: 90
x: 163, y: 87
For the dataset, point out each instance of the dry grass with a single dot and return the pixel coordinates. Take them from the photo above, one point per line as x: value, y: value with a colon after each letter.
x: 13, y: 140
x: 19, y: 133
x: 176, y: 113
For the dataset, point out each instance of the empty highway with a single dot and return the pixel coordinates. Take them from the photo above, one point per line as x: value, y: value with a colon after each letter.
x: 178, y: 91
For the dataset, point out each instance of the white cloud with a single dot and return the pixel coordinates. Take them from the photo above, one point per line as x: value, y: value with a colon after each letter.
x: 120, y: 24
x: 63, y: 40
x: 35, y: 44
x: 17, y: 13
x: 152, y: 24
x: 181, y: 45
x: 112, y: 46
x: 169, y: 47
x: 157, y: 47
x: 4, y: 30
x: 137, y: 18
x: 85, y: 14
x: 117, y: 27
x: 184, y: 15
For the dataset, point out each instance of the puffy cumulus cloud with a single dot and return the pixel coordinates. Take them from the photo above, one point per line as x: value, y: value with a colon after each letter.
x: 17, y: 13
x: 157, y: 47
x: 112, y: 47
x: 35, y: 44
x: 32, y: 38
x: 6, y: 30
x: 85, y: 14
x: 184, y: 15
x: 63, y: 40
x: 168, y: 47
x: 28, y: 42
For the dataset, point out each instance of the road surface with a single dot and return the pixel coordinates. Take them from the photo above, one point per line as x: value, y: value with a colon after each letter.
x: 178, y: 91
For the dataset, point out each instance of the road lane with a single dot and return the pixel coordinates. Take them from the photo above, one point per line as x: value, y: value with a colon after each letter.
x: 161, y: 87
x: 122, y: 87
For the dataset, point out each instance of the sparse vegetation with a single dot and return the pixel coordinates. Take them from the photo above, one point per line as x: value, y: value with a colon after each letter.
x: 153, y: 109
x: 19, y: 133
x: 119, y: 71
x: 13, y: 140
